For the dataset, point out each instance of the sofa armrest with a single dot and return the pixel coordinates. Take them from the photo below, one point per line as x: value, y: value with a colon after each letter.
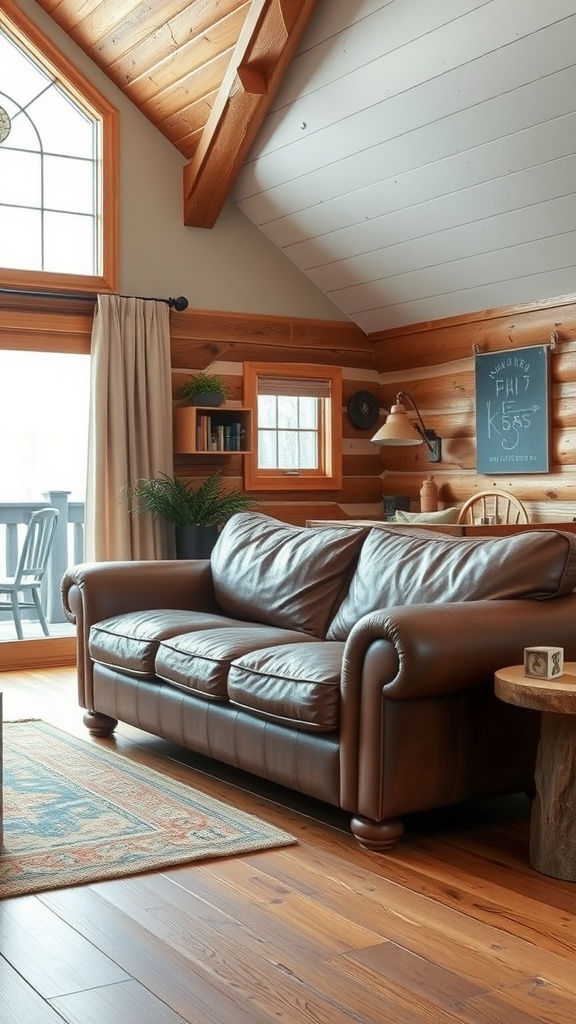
x: 98, y: 590
x: 419, y: 652
x: 93, y: 591
x: 444, y: 649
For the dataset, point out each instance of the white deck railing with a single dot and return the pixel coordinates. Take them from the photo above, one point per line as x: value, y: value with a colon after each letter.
x: 67, y: 549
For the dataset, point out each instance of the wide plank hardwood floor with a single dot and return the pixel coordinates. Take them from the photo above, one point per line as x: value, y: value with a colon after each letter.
x: 453, y: 926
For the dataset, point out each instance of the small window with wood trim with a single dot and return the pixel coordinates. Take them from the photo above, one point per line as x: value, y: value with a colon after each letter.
x: 298, y: 426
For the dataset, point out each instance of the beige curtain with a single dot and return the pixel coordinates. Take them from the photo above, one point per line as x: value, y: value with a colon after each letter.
x: 130, y: 434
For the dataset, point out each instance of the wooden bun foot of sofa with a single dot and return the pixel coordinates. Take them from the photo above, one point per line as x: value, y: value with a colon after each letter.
x: 377, y: 836
x: 99, y: 725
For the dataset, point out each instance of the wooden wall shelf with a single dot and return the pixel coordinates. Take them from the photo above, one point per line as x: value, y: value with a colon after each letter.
x: 203, y: 430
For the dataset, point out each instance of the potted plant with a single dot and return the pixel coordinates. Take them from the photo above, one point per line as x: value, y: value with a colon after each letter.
x: 195, y: 512
x: 205, y: 389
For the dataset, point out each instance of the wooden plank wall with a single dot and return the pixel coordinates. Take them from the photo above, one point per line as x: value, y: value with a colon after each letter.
x: 435, y: 363
x: 221, y: 342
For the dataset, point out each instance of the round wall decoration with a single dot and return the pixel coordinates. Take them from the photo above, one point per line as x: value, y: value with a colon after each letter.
x: 363, y: 410
x: 5, y: 125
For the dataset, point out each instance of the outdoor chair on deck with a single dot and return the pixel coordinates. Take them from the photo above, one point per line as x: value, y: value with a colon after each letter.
x: 22, y: 591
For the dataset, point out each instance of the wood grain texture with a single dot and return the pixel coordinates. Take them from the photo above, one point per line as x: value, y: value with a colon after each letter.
x: 442, y: 383
x: 435, y: 363
x: 115, y: 1004
x: 20, y: 1001
x: 181, y: 64
x: 201, y: 339
x: 491, y: 330
x: 264, y: 47
x: 222, y: 331
x: 454, y: 926
x: 557, y: 694
x: 553, y: 823
x: 75, y: 963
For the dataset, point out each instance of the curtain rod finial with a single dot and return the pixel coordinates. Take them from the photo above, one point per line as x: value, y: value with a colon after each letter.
x: 179, y: 304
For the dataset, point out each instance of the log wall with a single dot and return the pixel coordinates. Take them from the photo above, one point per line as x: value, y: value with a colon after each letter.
x: 221, y: 342
x: 435, y: 364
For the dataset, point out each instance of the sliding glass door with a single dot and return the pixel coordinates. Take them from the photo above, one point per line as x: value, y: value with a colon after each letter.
x: 44, y: 397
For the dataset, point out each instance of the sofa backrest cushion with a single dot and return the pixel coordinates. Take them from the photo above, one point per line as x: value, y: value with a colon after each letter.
x: 286, y: 576
x: 404, y: 565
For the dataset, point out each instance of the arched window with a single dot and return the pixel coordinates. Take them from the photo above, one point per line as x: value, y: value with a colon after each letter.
x: 58, y: 176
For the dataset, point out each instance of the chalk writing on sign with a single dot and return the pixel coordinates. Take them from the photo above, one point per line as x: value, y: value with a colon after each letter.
x: 512, y: 411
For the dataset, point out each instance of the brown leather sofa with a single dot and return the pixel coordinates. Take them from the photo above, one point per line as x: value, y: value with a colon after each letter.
x: 353, y: 665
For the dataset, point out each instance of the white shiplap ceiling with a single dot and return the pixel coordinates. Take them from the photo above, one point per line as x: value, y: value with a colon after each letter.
x: 419, y: 161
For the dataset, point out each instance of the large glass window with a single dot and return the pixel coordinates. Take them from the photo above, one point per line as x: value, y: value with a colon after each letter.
x: 57, y: 167
x: 43, y: 395
x: 44, y: 398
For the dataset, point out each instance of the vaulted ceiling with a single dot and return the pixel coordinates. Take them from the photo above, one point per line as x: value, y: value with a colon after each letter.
x: 204, y: 73
x: 416, y: 160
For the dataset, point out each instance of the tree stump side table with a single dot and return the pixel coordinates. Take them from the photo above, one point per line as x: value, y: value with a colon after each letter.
x: 553, y: 818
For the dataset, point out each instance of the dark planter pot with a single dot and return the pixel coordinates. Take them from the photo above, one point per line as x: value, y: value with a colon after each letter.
x: 195, y: 541
x: 211, y: 398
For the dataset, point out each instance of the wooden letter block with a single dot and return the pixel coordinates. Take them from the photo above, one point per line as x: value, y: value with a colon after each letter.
x: 543, y: 662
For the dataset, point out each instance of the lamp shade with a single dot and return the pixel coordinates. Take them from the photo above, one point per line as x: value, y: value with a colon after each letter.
x: 398, y: 429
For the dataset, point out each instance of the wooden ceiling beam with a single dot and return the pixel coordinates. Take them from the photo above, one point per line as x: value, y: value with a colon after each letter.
x: 265, y: 47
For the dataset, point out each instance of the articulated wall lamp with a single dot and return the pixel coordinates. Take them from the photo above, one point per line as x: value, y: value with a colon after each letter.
x: 400, y: 430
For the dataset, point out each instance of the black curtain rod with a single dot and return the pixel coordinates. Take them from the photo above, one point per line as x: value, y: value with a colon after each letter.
x: 179, y: 304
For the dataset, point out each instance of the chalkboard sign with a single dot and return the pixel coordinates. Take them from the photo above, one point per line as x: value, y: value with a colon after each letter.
x: 512, y: 411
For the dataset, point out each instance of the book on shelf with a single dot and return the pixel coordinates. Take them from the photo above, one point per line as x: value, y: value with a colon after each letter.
x: 203, y: 433
x: 235, y: 432
x: 213, y: 435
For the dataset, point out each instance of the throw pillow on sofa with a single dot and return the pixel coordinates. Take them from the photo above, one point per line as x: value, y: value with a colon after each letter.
x: 404, y: 565
x: 445, y: 515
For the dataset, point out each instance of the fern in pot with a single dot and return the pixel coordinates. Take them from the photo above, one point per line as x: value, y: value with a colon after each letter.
x: 196, y: 513
x: 205, y: 389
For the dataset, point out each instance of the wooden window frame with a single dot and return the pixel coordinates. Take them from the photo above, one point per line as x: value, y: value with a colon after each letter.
x: 29, y: 36
x: 328, y: 476
x: 28, y: 323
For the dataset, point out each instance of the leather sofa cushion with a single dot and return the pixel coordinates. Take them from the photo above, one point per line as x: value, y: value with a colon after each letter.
x: 130, y: 642
x: 199, y: 662
x: 298, y: 686
x: 286, y: 576
x: 404, y: 565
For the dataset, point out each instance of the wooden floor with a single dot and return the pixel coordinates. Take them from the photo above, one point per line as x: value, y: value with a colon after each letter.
x: 453, y: 926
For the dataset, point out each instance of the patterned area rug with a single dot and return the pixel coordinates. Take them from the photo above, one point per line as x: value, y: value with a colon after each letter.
x: 75, y: 813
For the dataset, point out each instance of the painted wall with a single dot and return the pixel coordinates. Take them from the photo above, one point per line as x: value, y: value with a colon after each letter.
x: 231, y: 267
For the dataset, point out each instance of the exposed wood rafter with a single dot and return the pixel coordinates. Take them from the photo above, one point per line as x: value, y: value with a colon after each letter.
x: 265, y: 47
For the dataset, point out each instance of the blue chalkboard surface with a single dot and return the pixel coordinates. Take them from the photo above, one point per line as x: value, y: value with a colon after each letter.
x: 512, y: 411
